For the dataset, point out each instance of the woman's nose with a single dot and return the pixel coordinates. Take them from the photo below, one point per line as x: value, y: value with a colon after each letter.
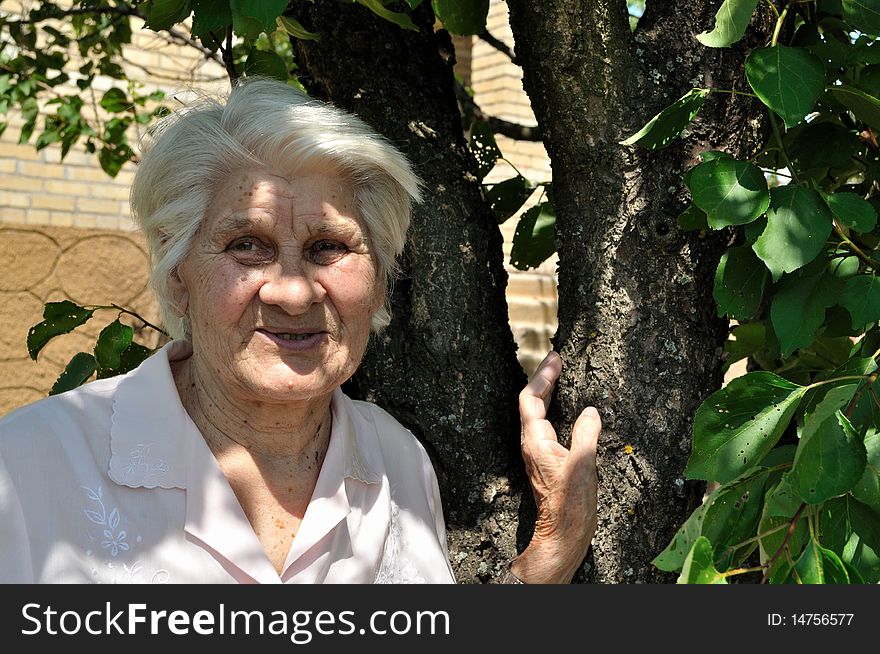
x: 291, y: 286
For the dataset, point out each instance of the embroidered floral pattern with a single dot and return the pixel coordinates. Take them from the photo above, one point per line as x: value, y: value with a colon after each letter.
x: 139, y: 463
x: 396, y: 568
x: 114, y: 538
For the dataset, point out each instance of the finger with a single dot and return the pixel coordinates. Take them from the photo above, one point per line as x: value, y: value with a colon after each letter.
x: 535, y: 397
x: 585, y: 435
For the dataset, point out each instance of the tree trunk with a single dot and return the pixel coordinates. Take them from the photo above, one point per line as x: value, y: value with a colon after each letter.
x: 446, y: 367
x: 637, y: 332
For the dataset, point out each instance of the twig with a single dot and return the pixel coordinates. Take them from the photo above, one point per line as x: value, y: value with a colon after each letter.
x: 792, y: 525
x: 499, y: 45
x: 506, y: 128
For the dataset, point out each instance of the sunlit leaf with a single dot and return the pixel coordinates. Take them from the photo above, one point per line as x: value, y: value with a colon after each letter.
x: 699, y: 568
x: 731, y: 22
x: 788, y: 80
x: 798, y: 222
x: 731, y: 192
x: 535, y: 238
x: 740, y: 424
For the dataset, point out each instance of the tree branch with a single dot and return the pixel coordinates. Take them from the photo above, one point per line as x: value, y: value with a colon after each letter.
x: 499, y: 45
x: 511, y: 130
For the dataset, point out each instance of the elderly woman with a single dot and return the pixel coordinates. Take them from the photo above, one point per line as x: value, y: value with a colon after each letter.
x: 232, y: 455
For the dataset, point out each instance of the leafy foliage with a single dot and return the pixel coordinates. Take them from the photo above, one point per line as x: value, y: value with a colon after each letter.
x: 797, y: 438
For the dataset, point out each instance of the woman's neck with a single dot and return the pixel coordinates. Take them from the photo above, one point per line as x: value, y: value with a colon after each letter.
x: 266, y: 430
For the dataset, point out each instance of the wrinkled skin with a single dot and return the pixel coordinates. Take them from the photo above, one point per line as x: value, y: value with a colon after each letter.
x: 564, y: 483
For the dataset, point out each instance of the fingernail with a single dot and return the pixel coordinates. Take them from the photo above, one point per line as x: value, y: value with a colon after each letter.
x: 591, y: 411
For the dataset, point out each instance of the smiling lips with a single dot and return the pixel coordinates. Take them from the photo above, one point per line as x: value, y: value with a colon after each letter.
x: 297, y: 340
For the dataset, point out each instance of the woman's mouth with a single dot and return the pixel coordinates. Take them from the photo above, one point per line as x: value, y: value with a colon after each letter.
x: 298, y: 341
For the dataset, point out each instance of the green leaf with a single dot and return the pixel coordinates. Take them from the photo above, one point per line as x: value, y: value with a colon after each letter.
x: 263, y: 11
x: 798, y: 223
x: 80, y: 368
x: 818, y: 565
x: 507, y: 197
x: 830, y: 457
x: 115, y: 101
x: 112, y: 342
x: 864, y: 15
x: 798, y: 307
x: 852, y: 530
x: 296, y: 30
x: 462, y: 17
x: 58, y: 318
x: 162, y: 14
x: 771, y: 541
x: 788, y: 80
x: 865, y: 107
x: 484, y: 148
x: 732, y: 517
x: 672, y: 558
x: 867, y: 489
x: 265, y: 64
x: 210, y: 15
x: 739, y: 283
x: 403, y: 20
x: 852, y: 211
x: 783, y: 500
x: 699, y: 568
x: 731, y: 22
x: 731, y: 192
x: 861, y: 297
x: 535, y: 239
x: 692, y: 218
x: 740, y: 423
x: 663, y: 128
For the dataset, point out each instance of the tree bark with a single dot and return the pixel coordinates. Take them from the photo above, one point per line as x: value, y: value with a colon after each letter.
x: 638, y: 332
x: 446, y: 367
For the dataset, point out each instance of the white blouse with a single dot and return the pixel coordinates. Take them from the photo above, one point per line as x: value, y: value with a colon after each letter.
x: 113, y: 483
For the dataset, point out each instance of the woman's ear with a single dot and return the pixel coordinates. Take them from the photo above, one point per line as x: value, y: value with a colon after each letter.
x: 179, y: 293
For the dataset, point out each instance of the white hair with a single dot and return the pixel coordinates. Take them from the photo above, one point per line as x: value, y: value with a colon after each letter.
x: 263, y: 123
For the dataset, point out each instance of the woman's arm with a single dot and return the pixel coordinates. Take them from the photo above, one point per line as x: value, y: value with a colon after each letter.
x: 564, y: 483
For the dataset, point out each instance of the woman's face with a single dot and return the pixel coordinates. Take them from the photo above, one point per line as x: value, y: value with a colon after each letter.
x: 280, y: 286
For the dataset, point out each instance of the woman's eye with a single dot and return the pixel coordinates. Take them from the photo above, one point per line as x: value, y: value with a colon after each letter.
x: 325, y: 252
x: 250, y: 249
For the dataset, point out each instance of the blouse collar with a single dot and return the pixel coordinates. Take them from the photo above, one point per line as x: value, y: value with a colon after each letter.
x: 147, y: 443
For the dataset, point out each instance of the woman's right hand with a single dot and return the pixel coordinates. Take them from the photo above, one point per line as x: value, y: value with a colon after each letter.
x: 564, y: 483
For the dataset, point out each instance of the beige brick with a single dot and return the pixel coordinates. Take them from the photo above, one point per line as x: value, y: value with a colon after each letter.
x: 16, y: 151
x: 85, y: 220
x: 14, y: 199
x: 61, y: 219
x: 10, y: 215
x: 58, y: 202
x: 109, y: 192
x: 97, y: 206
x: 39, y: 169
x: 107, y: 222
x: 37, y: 217
x: 7, y: 165
x: 86, y: 174
x: 13, y: 183
x: 522, y: 284
x: 66, y: 188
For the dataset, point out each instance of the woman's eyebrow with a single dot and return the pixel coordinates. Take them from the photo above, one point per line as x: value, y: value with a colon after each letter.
x: 235, y: 222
